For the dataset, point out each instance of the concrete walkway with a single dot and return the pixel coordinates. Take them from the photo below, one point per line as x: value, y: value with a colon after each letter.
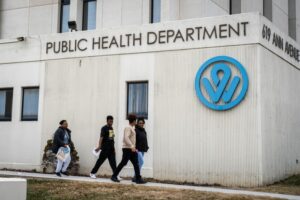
x: 150, y: 184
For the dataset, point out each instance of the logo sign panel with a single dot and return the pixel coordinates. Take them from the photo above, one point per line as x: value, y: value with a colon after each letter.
x: 221, y: 83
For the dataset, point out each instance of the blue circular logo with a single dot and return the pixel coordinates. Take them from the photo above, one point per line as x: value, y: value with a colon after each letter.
x: 217, y: 87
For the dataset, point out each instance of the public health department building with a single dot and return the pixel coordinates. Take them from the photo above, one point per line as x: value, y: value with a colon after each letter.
x: 217, y: 80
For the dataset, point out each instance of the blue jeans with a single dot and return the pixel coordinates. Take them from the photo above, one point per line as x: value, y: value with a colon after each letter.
x: 141, y: 159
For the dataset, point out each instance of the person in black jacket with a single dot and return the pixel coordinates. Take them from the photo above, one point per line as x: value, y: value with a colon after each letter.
x: 141, y: 141
x: 107, y: 146
x: 62, y: 139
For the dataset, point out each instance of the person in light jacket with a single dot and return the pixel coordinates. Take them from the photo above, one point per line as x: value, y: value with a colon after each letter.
x: 129, y: 151
x: 62, y: 139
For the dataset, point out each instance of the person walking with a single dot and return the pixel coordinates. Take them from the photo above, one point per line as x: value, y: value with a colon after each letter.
x: 141, y: 142
x: 129, y: 151
x: 62, y: 141
x: 106, y: 145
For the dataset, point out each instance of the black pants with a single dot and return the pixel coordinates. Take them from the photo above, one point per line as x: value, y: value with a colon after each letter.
x: 133, y: 157
x: 111, y: 155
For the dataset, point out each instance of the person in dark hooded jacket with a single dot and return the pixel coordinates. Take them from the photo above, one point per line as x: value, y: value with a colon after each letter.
x: 141, y: 141
x: 62, y: 139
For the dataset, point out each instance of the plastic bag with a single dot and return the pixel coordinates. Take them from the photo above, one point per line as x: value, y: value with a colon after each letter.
x: 96, y: 153
x: 63, y: 153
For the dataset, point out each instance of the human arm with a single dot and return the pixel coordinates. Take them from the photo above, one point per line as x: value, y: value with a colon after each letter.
x: 99, y: 144
x: 58, y: 138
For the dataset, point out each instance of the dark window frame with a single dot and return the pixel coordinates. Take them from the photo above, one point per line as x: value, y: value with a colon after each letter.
x: 11, y: 106
x: 292, y: 26
x: 37, y: 116
x: 234, y: 11
x: 84, y: 26
x: 152, y: 11
x: 62, y: 3
x: 127, y: 98
x: 268, y: 13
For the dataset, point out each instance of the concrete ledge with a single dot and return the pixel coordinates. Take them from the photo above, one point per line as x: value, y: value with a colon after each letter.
x: 13, y: 188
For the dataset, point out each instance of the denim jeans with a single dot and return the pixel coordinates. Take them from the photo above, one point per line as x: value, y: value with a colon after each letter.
x: 141, y: 159
x: 62, y: 165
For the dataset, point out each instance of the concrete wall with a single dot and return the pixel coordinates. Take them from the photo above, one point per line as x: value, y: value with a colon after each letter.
x: 28, y: 17
x: 280, y: 16
x: 21, y: 140
x: 219, y: 148
x: 85, y: 91
x: 187, y: 9
x: 252, y: 6
x: 9, y: 186
x: 298, y: 21
x: 279, y: 117
x: 215, y: 147
x: 188, y: 142
x: 32, y: 17
x: 137, y: 67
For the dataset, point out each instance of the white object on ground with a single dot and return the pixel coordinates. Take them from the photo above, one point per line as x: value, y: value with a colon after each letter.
x: 13, y: 188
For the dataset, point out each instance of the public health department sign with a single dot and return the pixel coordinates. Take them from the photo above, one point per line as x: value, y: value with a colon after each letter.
x: 221, y: 83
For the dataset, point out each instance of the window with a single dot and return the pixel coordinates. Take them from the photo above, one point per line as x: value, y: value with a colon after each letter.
x: 137, y: 98
x: 64, y: 15
x: 267, y: 9
x: 235, y: 6
x: 6, y: 97
x: 292, y: 18
x: 89, y: 14
x: 155, y: 11
x: 30, y: 104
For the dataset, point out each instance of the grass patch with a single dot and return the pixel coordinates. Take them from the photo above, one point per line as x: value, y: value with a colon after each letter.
x: 43, y: 189
x: 292, y: 181
x: 290, y: 185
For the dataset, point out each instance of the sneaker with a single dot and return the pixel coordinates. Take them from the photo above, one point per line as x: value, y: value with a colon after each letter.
x: 133, y: 179
x: 65, y: 173
x: 93, y: 176
x: 114, y: 179
x: 58, y: 174
x: 140, y: 181
x: 119, y: 178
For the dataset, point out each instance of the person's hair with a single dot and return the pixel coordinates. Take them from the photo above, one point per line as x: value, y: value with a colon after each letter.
x: 131, y: 118
x: 141, y: 119
x: 109, y: 117
x: 62, y: 121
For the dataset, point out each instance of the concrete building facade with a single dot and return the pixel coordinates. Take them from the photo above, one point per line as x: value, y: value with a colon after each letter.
x: 49, y: 72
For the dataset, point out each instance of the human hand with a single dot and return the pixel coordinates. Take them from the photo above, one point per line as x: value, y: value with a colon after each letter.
x: 133, y: 149
x: 97, y: 149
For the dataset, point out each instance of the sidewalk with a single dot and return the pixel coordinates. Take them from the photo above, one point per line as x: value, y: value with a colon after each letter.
x: 150, y: 184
